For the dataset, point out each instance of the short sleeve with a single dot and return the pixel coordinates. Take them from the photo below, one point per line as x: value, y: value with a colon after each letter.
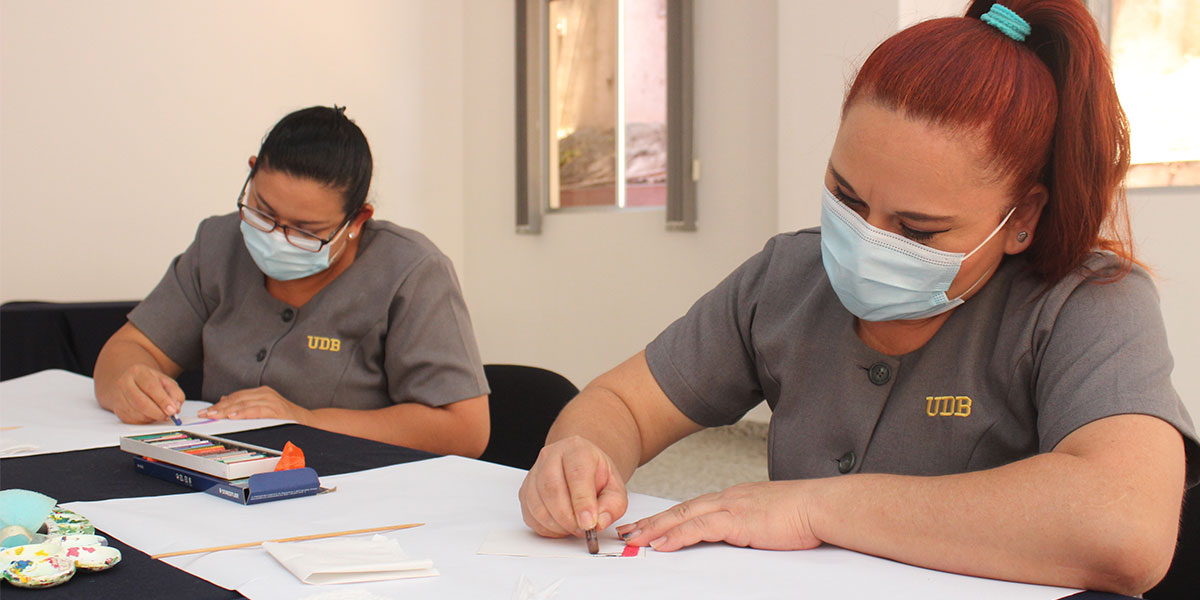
x: 174, y: 313
x: 704, y: 361
x: 1107, y: 355
x: 431, y: 355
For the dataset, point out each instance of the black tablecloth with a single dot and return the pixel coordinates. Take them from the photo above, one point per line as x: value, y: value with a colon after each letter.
x: 106, y: 473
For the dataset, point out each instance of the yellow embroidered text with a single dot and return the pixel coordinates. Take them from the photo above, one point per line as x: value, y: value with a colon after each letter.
x: 948, y: 406
x: 317, y: 342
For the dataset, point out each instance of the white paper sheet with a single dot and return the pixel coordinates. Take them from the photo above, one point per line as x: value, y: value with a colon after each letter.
x: 523, y: 541
x: 350, y: 559
x: 460, y: 501
x: 56, y: 411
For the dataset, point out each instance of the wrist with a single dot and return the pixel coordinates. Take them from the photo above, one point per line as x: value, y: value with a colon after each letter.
x: 302, y: 416
x: 815, y: 499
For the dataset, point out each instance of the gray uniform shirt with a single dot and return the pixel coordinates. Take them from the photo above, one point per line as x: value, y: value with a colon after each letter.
x: 1009, y: 374
x: 391, y: 328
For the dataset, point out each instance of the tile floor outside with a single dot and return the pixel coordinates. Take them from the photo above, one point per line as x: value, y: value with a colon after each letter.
x: 707, y: 461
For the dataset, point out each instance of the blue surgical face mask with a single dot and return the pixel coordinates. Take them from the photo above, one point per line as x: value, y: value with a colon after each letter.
x: 279, y: 259
x: 881, y: 276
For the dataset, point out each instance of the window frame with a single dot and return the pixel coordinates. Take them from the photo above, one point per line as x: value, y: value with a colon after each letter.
x: 532, y: 119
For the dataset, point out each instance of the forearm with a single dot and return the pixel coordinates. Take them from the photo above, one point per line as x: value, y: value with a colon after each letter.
x: 599, y: 416
x: 462, y: 430
x: 625, y: 413
x: 1053, y: 518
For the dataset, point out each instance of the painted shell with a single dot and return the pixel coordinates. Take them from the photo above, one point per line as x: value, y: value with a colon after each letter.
x: 36, y: 565
x: 94, y: 558
x: 64, y: 522
x: 90, y: 552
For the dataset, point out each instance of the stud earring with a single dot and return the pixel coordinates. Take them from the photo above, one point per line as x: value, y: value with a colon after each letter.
x: 1022, y: 236
x: 352, y: 235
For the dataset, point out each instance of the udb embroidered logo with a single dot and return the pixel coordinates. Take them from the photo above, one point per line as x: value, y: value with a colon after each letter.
x: 948, y: 406
x: 317, y: 342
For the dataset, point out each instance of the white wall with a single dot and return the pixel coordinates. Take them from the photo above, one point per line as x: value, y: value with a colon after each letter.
x: 123, y: 123
x: 1164, y: 230
x: 595, y: 287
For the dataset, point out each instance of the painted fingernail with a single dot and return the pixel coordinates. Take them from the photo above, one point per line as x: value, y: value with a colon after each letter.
x: 630, y: 535
x: 586, y: 521
x: 656, y: 543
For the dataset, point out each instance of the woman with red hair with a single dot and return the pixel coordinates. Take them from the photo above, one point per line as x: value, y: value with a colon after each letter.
x: 966, y: 368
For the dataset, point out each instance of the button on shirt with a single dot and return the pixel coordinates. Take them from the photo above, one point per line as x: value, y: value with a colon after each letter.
x: 1010, y: 373
x: 391, y: 328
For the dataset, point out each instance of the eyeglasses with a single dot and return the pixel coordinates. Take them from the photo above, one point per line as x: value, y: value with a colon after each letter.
x: 304, y: 240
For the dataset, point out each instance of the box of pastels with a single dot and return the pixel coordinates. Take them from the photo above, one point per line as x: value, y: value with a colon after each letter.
x: 236, y: 471
x: 207, y: 454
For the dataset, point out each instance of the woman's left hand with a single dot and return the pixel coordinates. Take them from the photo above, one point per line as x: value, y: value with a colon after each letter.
x: 769, y: 515
x: 255, y: 403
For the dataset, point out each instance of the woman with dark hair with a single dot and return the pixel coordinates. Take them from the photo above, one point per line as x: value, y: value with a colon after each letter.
x: 967, y: 371
x: 301, y: 306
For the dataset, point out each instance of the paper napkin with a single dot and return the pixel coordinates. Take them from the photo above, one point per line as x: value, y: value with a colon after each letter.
x: 348, y: 560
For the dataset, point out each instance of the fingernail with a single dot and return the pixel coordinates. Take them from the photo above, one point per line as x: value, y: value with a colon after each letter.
x: 656, y: 543
x: 631, y: 534
x: 604, y: 521
x: 586, y: 521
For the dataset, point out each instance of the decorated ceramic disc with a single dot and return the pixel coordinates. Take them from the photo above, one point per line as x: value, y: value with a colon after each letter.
x: 64, y: 522
x: 90, y: 552
x: 94, y: 558
x: 36, y: 565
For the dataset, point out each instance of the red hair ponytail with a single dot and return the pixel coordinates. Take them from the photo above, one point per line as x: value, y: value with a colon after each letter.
x: 1046, y: 109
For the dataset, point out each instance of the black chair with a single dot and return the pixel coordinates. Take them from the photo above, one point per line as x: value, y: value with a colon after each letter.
x: 35, y: 336
x: 523, y: 404
x: 1183, y: 579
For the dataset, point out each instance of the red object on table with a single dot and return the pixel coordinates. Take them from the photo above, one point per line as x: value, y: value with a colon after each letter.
x: 293, y: 458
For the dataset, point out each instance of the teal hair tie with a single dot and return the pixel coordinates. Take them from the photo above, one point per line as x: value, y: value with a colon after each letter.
x: 1008, y: 22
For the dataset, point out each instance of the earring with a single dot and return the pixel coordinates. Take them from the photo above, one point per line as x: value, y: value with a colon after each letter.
x: 1022, y: 236
x: 352, y: 235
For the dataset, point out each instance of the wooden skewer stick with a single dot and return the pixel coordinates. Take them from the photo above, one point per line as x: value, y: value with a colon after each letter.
x: 299, y: 538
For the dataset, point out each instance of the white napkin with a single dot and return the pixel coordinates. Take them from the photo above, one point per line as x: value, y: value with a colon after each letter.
x: 348, y: 560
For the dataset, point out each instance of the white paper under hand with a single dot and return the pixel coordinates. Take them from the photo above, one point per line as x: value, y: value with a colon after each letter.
x: 348, y: 560
x: 524, y: 542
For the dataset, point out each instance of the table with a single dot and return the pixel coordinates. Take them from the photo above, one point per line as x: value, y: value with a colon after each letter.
x: 105, y: 473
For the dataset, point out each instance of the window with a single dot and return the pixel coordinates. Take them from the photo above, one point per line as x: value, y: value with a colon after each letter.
x: 1155, y: 49
x: 604, y: 108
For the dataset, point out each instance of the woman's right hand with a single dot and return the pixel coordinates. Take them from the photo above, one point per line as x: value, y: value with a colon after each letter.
x: 574, y: 486
x: 146, y: 395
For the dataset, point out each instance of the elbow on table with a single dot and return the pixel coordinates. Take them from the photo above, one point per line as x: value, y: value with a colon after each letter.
x: 473, y: 444
x: 1135, y: 564
x: 473, y: 428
